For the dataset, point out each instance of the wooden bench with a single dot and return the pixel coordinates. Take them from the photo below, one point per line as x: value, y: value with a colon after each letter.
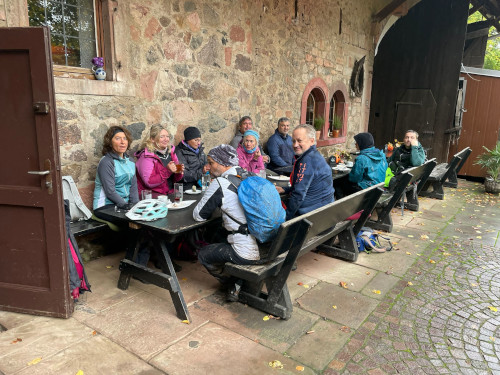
x: 314, y: 230
x: 444, y: 172
x: 390, y: 198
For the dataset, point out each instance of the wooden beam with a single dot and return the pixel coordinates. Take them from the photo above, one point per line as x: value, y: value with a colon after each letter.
x: 477, y: 33
x: 387, y: 10
x: 475, y: 8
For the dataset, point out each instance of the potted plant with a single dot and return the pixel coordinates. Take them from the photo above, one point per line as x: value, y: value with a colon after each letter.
x: 490, y: 160
x: 336, y: 126
x: 319, y: 123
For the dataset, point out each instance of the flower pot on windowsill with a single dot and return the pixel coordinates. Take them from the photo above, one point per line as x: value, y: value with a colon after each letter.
x: 99, y: 74
x: 335, y: 133
x: 318, y: 134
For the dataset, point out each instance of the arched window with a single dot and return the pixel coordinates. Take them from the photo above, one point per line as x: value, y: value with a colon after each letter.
x: 336, y: 118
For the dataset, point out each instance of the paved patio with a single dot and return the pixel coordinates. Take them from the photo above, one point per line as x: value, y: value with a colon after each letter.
x: 432, y: 305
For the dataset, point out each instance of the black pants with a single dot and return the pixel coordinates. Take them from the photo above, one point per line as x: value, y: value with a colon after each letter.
x: 214, y: 256
x: 343, y: 187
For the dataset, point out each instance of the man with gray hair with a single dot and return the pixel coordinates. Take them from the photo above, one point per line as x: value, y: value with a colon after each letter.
x: 280, y: 148
x: 239, y: 247
x: 410, y: 153
x: 311, y: 179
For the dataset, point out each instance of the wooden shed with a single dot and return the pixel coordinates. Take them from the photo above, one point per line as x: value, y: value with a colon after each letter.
x: 481, y: 117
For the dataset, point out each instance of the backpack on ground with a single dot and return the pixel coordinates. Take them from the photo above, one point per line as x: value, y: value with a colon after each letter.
x: 77, y: 208
x: 261, y: 203
x: 368, y: 241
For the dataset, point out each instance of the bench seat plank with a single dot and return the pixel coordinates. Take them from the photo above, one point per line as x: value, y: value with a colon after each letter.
x: 84, y: 227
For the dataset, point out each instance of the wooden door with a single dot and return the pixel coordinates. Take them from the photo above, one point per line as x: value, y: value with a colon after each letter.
x: 33, y: 267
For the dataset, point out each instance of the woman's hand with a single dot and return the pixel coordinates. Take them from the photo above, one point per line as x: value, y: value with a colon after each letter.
x: 171, y: 166
x: 280, y: 189
x: 266, y: 159
x: 256, y: 154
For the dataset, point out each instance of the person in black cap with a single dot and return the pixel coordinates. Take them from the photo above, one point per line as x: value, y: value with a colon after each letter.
x: 368, y: 169
x: 190, y: 153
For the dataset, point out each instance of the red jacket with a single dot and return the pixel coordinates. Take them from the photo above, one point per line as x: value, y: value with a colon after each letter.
x: 152, y: 175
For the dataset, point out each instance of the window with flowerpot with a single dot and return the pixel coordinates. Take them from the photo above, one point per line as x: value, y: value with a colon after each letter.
x: 326, y: 116
x: 78, y: 33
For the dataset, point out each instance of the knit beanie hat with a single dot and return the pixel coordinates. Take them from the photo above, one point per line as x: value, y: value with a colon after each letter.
x: 191, y: 133
x: 225, y: 155
x: 252, y: 132
x: 364, y: 140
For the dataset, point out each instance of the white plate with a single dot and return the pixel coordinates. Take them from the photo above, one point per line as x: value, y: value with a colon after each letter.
x: 279, y: 178
x: 190, y: 191
x: 180, y: 205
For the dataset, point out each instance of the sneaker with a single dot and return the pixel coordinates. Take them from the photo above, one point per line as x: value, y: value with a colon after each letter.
x: 232, y: 294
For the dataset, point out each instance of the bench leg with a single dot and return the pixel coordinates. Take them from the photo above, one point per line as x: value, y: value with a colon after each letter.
x: 452, y: 180
x: 412, y: 200
x: 437, y: 191
x: 383, y: 222
x: 348, y: 248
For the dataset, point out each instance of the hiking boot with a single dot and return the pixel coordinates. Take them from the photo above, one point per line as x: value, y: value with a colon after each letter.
x: 233, y: 293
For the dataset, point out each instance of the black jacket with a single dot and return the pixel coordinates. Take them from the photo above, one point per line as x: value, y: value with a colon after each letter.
x: 193, y: 163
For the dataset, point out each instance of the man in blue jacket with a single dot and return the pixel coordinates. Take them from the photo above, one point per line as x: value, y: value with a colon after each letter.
x: 280, y: 148
x: 368, y: 170
x: 311, y: 179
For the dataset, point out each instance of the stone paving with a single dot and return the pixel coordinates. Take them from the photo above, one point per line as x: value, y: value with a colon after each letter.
x: 431, y: 306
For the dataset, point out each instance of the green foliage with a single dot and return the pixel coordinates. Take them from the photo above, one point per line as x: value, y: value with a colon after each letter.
x: 490, y: 160
x: 319, y: 122
x: 337, y: 122
x: 492, y: 54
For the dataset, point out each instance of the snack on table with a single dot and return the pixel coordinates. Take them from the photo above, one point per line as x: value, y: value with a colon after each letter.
x: 193, y: 188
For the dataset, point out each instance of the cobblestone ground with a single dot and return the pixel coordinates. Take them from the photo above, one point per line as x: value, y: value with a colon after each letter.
x: 442, y: 316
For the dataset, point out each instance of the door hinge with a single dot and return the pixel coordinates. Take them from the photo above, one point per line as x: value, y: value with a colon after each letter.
x: 41, y: 108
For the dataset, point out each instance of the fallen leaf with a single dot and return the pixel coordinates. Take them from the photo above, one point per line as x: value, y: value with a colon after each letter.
x: 345, y: 329
x: 389, y: 272
x: 446, y: 254
x: 266, y: 318
x: 17, y: 340
x: 418, y: 272
x: 334, y: 307
x: 408, y: 253
x: 109, y: 267
x: 424, y: 237
x: 409, y: 283
x: 80, y: 372
x: 367, y: 272
x: 493, y: 308
x: 479, y: 237
x: 94, y: 333
x: 376, y: 291
x: 185, y: 321
x: 492, y: 338
x: 276, y: 364
x: 309, y: 332
x: 299, y: 368
x: 300, y: 283
x: 432, y: 261
x: 305, y: 286
x: 35, y: 361
x: 473, y: 284
x: 410, y: 235
x: 184, y: 279
x: 343, y: 284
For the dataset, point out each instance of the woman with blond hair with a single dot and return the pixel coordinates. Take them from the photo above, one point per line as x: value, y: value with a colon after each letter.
x: 156, y: 163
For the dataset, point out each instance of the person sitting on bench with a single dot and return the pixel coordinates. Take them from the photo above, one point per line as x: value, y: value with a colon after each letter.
x: 280, y: 148
x: 410, y: 153
x: 237, y: 248
x: 368, y: 169
x: 311, y: 178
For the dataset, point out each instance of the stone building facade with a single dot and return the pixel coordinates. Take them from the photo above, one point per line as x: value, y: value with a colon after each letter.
x: 206, y: 63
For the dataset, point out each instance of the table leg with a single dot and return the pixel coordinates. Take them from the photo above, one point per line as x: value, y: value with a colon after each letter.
x: 175, y: 290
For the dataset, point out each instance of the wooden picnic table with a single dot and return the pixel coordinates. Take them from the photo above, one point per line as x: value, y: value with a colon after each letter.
x: 159, y: 231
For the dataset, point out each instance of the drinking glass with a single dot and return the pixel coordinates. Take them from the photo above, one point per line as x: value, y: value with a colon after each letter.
x: 178, y: 192
x: 146, y: 194
x: 205, y: 182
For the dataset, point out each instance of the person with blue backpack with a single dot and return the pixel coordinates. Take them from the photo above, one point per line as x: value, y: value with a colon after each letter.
x: 226, y: 192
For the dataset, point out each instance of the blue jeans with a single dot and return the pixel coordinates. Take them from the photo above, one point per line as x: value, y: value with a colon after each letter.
x: 214, y: 256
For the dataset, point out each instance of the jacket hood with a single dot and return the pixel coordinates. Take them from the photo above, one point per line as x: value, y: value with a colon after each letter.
x: 373, y: 153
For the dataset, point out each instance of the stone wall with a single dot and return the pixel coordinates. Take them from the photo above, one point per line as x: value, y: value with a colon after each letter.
x: 207, y: 63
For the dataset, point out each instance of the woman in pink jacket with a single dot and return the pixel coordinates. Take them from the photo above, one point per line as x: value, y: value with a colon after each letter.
x: 249, y: 152
x: 156, y: 163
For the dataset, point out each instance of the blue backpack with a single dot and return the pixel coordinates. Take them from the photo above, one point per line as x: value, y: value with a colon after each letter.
x: 262, y: 205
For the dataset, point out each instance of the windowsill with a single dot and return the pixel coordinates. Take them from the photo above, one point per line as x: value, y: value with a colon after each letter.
x: 330, y: 141
x: 94, y: 87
